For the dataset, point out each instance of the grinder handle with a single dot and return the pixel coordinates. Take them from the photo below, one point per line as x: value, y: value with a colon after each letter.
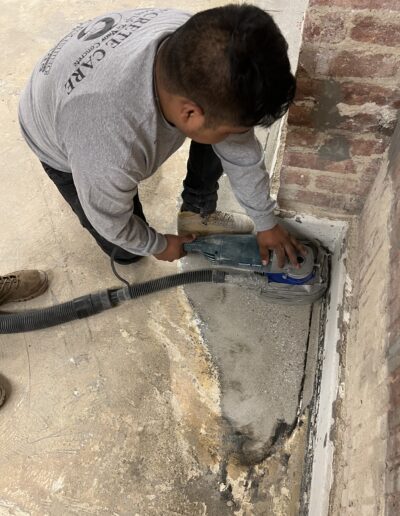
x: 189, y: 247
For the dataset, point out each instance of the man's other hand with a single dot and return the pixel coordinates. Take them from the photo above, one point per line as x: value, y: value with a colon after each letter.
x: 280, y: 241
x: 174, y: 249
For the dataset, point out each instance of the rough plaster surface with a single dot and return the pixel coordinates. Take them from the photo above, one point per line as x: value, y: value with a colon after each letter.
x: 359, y: 482
x: 121, y: 413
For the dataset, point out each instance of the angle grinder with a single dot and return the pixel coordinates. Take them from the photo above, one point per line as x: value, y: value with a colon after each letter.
x: 239, y: 255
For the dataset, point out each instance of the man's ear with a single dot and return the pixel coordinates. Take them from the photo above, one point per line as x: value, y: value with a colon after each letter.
x: 191, y: 115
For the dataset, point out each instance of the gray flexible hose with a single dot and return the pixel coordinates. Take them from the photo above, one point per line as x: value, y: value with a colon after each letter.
x: 97, y: 302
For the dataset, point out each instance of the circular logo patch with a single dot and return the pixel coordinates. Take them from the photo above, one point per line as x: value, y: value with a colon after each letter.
x: 98, y: 28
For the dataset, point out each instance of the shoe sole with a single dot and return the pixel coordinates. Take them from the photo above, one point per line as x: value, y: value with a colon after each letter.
x: 38, y: 293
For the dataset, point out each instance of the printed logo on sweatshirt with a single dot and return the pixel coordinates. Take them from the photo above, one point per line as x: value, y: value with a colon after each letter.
x: 98, y: 28
x: 48, y: 60
x: 111, y: 32
x: 104, y: 34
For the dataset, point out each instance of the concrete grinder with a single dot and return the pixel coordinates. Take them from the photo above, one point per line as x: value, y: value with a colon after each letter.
x: 234, y: 260
x: 239, y: 256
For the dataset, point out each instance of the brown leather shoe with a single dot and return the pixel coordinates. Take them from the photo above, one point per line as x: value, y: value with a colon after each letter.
x: 22, y: 285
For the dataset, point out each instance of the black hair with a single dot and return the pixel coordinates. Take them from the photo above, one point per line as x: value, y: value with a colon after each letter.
x: 232, y: 61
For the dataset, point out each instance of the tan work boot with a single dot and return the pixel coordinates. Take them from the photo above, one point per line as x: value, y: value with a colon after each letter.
x: 214, y: 223
x: 22, y: 285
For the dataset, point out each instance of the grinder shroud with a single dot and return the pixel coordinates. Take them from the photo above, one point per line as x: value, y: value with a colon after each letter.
x: 239, y: 256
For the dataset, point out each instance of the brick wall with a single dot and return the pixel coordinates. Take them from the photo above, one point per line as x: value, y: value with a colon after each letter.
x: 346, y: 103
x: 361, y: 436
x: 339, y: 132
x: 367, y: 436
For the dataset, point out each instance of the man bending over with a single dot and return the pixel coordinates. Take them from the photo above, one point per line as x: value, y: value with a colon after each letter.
x: 119, y: 94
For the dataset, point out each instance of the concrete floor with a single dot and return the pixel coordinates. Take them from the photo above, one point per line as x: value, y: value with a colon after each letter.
x: 163, y: 406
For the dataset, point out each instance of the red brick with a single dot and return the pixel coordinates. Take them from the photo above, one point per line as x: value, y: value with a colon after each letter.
x: 361, y: 93
x: 334, y: 201
x: 327, y: 28
x: 366, y: 123
x: 289, y: 176
x: 301, y: 71
x: 307, y: 88
x: 342, y: 185
x: 314, y: 162
x: 301, y: 137
x: 308, y: 60
x: 301, y: 115
x: 370, y: 171
x: 351, y: 92
x: 360, y: 4
x: 363, y: 64
x: 309, y: 108
x: 370, y: 29
x: 368, y: 147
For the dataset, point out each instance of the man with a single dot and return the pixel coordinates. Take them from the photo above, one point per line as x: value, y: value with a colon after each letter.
x: 119, y: 94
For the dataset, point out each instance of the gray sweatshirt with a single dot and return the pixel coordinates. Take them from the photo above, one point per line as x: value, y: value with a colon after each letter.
x: 89, y: 109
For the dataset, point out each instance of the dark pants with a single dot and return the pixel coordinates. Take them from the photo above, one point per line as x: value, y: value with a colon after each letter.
x: 199, y: 194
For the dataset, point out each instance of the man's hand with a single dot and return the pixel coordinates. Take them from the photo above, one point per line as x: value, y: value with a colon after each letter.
x: 174, y: 249
x: 280, y: 241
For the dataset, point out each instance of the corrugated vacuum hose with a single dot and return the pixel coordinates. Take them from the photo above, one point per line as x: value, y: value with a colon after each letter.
x: 97, y: 302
